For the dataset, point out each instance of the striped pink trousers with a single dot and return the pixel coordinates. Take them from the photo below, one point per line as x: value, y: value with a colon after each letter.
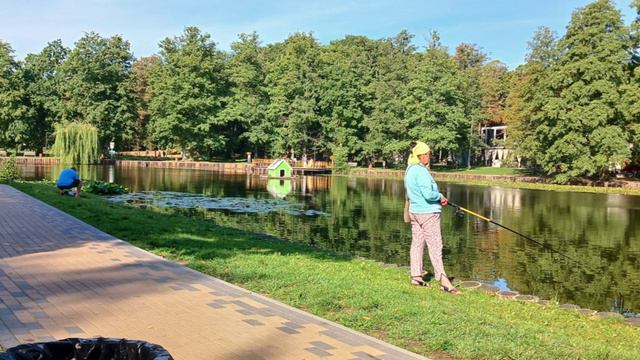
x: 425, y: 229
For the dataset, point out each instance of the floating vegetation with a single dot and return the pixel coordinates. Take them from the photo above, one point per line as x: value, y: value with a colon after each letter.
x: 178, y: 200
x: 104, y: 188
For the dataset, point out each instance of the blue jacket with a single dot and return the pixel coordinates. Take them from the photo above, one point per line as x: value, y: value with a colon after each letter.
x: 422, y: 190
x: 67, y: 177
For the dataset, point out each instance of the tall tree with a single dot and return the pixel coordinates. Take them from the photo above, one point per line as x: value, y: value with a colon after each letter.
x: 188, y: 91
x: 470, y: 59
x: 631, y: 98
x: 41, y: 74
x: 76, y: 143
x: 528, y: 95
x: 141, y: 71
x: 634, y: 30
x: 435, y: 101
x: 292, y: 84
x: 386, y: 126
x: 494, y: 84
x: 15, y: 116
x: 346, y: 96
x: 583, y: 128
x: 469, y: 56
x: 96, y: 88
x: 245, y: 112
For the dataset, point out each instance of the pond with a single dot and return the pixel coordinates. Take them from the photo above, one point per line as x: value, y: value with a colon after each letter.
x: 363, y: 217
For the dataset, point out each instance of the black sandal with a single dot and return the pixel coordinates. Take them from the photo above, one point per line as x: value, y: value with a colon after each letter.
x: 450, y: 290
x: 417, y: 281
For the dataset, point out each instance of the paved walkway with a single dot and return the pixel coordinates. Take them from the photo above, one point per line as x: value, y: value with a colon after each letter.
x: 60, y: 278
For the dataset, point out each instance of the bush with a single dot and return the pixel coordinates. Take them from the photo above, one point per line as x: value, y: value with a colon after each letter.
x: 340, y: 160
x: 104, y: 188
x: 9, y: 170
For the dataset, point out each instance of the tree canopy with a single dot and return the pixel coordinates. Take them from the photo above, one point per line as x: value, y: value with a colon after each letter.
x: 572, y: 108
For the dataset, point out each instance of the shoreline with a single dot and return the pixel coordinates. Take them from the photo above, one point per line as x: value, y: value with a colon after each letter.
x: 622, y: 187
x: 510, y: 181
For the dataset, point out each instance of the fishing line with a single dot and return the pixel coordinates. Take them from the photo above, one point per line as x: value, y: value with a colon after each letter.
x: 460, y: 212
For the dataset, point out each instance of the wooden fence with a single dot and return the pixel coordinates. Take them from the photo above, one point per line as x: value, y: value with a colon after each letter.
x: 22, y: 160
x: 171, y: 154
x: 310, y: 164
x: 204, y: 165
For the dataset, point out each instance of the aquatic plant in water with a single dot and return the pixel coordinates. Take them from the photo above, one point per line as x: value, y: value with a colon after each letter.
x: 104, y: 188
x: 180, y: 200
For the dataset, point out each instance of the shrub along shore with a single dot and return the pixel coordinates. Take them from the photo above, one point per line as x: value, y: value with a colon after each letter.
x: 360, y: 294
x: 622, y: 187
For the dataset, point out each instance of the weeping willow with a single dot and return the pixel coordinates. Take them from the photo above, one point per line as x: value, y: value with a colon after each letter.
x: 76, y: 143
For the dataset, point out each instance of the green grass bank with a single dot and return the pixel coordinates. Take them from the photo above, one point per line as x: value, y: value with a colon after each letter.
x: 360, y: 294
x: 502, y: 177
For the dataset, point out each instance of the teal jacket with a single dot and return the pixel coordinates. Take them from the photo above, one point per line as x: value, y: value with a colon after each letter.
x: 422, y: 190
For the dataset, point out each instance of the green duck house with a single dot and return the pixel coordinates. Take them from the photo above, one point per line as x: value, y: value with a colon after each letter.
x: 280, y: 169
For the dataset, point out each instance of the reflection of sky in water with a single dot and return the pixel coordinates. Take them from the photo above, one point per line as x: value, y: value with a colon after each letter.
x: 502, y: 284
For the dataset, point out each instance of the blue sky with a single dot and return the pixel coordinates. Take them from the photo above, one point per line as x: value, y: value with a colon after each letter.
x: 502, y: 28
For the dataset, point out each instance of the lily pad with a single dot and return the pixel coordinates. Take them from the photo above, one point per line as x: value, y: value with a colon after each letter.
x: 169, y: 199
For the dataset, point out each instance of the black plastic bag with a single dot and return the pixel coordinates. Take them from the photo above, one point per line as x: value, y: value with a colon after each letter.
x: 87, y: 349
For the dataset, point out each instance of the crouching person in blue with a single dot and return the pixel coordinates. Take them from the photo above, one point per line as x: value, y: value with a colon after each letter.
x: 69, y: 179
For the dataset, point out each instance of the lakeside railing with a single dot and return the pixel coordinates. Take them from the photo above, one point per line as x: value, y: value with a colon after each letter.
x: 30, y: 160
x: 309, y: 164
x: 170, y: 154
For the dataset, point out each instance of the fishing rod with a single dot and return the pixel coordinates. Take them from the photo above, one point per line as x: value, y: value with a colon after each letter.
x: 460, y: 212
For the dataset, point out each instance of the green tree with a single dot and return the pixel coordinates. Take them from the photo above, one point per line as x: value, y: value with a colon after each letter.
x: 386, y: 127
x: 41, y: 75
x: 631, y: 97
x: 494, y: 82
x: 188, y: 91
x: 470, y: 60
x: 435, y: 102
x: 140, y: 73
x: 15, y: 116
x: 528, y: 95
x: 583, y: 127
x: 95, y: 87
x: 635, y: 35
x: 245, y: 112
x: 346, y: 96
x: 292, y: 84
x: 76, y: 143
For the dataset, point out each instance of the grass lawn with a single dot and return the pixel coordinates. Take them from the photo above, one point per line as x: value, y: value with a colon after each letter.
x: 359, y: 294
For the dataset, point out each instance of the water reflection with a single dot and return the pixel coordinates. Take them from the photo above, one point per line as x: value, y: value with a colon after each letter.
x: 111, y: 173
x: 601, y: 231
x: 279, y: 188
